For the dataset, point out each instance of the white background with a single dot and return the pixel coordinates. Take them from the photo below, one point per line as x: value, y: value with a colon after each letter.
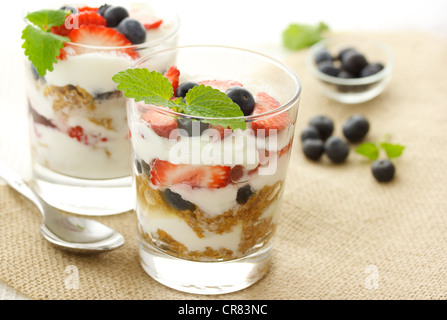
x: 251, y: 24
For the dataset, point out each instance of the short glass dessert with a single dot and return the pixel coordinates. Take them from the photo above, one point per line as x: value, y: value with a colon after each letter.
x: 211, y: 136
x: 80, y: 147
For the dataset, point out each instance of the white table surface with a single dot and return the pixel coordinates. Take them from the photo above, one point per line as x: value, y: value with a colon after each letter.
x: 251, y: 24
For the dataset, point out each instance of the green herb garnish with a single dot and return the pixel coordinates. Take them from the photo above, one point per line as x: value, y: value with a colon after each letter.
x: 372, y: 150
x: 300, y: 36
x: 41, y: 46
x: 201, y: 101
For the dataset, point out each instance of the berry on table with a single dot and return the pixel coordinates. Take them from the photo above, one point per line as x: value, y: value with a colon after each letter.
x: 383, y: 170
x: 310, y: 132
x: 336, y: 149
x: 313, y: 149
x: 356, y: 128
x: 324, y: 125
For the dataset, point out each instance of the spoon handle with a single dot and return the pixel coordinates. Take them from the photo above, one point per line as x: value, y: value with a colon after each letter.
x: 17, y: 182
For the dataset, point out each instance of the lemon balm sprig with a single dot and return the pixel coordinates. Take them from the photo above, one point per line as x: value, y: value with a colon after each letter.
x: 41, y: 46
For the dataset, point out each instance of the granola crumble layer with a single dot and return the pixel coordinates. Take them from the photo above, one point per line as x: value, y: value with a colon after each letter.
x: 254, y: 218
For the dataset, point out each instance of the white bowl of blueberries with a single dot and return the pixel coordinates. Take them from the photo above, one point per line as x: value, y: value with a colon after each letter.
x: 350, y: 69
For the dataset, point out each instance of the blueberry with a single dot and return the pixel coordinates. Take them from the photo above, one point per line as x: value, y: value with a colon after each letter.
x: 177, y: 202
x: 313, y: 149
x: 243, y: 98
x: 310, y: 132
x: 355, y: 128
x: 184, y: 87
x: 114, y: 15
x: 371, y: 69
x: 133, y: 30
x: 353, y: 62
x: 336, y: 149
x: 243, y: 194
x: 102, y: 9
x: 324, y: 125
x: 383, y: 170
x: 322, y: 55
x: 328, y: 68
x: 192, y: 127
x: 73, y: 10
x: 343, y: 51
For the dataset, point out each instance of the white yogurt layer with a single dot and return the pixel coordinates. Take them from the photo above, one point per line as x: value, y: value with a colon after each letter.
x: 59, y: 152
x: 91, y: 71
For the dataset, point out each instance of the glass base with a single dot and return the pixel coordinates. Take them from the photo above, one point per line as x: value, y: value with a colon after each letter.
x: 204, y: 277
x: 84, y: 197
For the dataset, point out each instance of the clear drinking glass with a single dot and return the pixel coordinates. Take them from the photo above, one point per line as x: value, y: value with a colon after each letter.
x: 207, y: 198
x: 80, y: 149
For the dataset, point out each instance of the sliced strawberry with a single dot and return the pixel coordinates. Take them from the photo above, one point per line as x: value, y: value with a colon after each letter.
x: 278, y: 122
x: 162, y: 124
x: 74, y: 21
x: 166, y: 174
x: 223, y: 132
x: 222, y: 85
x: 148, y: 20
x: 173, y: 75
x: 95, y: 35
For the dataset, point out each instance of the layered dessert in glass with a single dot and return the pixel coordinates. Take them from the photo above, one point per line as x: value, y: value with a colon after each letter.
x: 208, y: 193
x: 78, y: 124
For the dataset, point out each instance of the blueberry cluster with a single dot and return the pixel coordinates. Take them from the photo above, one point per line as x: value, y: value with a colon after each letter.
x: 348, y: 63
x: 317, y: 137
x: 118, y: 17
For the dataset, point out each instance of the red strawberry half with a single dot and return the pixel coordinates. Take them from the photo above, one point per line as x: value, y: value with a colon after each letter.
x: 166, y: 174
x: 278, y: 122
x: 100, y: 36
x: 222, y: 85
x: 148, y: 20
x: 162, y: 124
x: 74, y: 21
x: 173, y: 75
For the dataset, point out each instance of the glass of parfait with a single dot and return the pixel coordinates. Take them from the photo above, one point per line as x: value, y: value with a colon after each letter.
x: 211, y: 136
x: 80, y: 146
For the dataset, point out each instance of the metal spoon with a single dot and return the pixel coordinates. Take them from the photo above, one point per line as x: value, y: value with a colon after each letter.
x: 69, y: 232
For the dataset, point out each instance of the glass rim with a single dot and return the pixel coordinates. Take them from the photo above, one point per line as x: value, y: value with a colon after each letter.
x: 283, y: 108
x: 149, y: 43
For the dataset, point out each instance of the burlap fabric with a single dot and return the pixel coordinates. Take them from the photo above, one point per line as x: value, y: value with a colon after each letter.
x: 341, y: 235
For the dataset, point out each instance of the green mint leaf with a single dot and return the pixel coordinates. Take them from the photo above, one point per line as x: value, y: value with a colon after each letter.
x: 42, y: 48
x: 369, y: 150
x: 299, y: 36
x: 45, y: 19
x: 392, y: 150
x: 148, y: 86
x: 205, y: 101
